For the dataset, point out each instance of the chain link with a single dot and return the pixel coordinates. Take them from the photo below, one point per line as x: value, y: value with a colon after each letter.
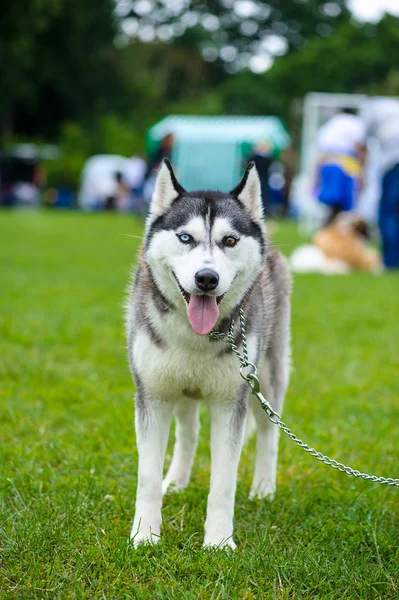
x: 253, y: 381
x: 229, y: 338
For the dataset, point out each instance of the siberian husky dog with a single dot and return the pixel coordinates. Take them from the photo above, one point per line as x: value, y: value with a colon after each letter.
x: 205, y: 256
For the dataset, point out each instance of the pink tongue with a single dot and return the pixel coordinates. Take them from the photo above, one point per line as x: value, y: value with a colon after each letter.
x: 203, y: 312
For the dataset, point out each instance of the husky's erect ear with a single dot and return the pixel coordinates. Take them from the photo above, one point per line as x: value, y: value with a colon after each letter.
x: 248, y: 191
x: 167, y: 189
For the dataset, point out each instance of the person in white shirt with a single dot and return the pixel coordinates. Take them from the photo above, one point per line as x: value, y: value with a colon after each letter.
x: 133, y: 177
x: 381, y: 119
x: 341, y: 154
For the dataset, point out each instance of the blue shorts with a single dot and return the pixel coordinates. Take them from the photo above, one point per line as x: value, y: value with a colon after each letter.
x: 336, y: 187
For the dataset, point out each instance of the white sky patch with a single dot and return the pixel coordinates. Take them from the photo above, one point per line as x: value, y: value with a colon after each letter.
x: 210, y: 53
x: 373, y: 10
x: 190, y: 18
x: 123, y: 7
x: 176, y: 7
x: 143, y: 7
x: 274, y: 45
x: 245, y: 8
x: 178, y: 29
x: 228, y: 53
x: 146, y: 33
x: 241, y: 62
x: 165, y: 33
x: 130, y: 26
x: 160, y: 16
x: 210, y: 22
x: 249, y: 27
x: 260, y: 64
x: 331, y: 9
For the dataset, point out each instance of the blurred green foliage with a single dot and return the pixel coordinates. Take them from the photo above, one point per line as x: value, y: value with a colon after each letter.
x: 68, y: 76
x: 109, y: 136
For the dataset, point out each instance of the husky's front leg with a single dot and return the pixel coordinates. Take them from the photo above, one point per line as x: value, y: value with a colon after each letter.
x: 187, y: 429
x: 227, y: 434
x: 153, y: 419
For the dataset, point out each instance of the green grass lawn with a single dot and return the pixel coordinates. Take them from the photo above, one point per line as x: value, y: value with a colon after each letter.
x: 67, y: 453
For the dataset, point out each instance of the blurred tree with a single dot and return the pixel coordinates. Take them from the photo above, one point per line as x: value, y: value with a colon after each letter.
x: 95, y: 74
x: 160, y: 76
x: 54, y: 63
x: 20, y: 25
x: 354, y: 58
x: 390, y: 85
x: 108, y: 135
x: 233, y: 30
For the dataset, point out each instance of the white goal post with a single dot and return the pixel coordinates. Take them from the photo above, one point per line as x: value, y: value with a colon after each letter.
x: 317, y: 109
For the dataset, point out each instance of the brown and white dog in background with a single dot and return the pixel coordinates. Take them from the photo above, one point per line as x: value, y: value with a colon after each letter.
x: 338, y: 248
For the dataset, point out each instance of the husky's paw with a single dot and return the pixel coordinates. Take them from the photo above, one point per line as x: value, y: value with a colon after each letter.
x: 217, y: 544
x: 143, y: 534
x: 139, y: 539
x: 264, y: 490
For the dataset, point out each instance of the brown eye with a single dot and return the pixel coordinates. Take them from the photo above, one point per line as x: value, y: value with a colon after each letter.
x: 229, y: 241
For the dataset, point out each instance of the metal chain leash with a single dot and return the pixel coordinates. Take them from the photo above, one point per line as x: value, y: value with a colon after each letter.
x: 253, y: 381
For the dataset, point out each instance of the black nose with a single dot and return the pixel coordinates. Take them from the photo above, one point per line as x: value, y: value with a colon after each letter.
x: 207, y: 280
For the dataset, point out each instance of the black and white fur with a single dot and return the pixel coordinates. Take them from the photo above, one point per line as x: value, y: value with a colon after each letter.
x: 174, y: 367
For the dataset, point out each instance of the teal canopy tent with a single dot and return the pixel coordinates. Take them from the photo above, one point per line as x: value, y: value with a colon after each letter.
x: 210, y: 152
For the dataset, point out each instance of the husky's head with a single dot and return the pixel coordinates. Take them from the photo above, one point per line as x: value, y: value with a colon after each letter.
x: 205, y: 249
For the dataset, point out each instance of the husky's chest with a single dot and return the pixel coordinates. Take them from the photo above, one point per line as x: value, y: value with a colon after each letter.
x: 184, y: 365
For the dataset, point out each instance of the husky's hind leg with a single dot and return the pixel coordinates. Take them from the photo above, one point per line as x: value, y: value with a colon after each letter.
x: 153, y: 419
x: 250, y: 424
x: 267, y: 436
x: 187, y: 429
x: 273, y: 376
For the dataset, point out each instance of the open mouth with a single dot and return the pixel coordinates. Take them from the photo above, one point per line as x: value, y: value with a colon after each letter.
x: 187, y: 296
x: 202, y: 310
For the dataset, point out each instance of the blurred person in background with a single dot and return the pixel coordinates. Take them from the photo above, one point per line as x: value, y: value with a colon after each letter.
x: 261, y: 156
x: 381, y: 119
x: 22, y: 179
x: 288, y: 159
x: 133, y: 177
x: 123, y: 194
x: 341, y: 156
x: 164, y: 150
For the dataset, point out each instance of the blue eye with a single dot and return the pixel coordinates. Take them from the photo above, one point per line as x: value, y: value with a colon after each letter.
x: 185, y: 238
